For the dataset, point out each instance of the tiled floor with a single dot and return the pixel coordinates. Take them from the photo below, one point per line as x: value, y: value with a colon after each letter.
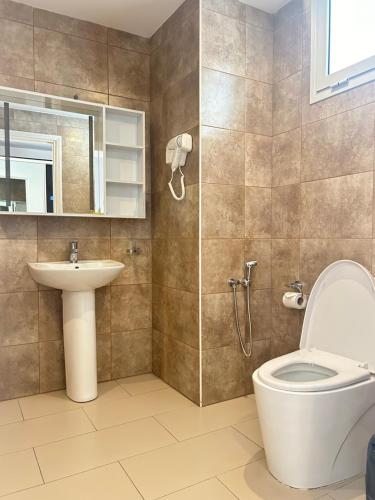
x: 139, y: 440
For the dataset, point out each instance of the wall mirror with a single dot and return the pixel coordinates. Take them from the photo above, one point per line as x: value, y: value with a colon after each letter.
x: 68, y: 157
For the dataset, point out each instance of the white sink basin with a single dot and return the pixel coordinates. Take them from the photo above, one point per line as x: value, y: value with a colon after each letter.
x: 83, y: 276
x: 78, y: 283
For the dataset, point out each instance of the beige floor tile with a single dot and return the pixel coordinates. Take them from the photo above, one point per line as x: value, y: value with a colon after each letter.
x: 142, y: 384
x: 254, y: 482
x: 251, y: 429
x: 136, y: 407
x: 209, y: 490
x: 106, y: 483
x: 353, y: 491
x: 184, y: 464
x: 57, y: 401
x: 10, y: 412
x: 39, y: 431
x: 18, y: 471
x: 189, y: 422
x: 82, y: 453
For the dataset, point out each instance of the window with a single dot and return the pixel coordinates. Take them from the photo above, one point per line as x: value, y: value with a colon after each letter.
x: 342, y: 46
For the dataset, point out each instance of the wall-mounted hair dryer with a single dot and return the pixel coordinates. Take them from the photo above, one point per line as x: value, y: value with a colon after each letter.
x: 177, y: 151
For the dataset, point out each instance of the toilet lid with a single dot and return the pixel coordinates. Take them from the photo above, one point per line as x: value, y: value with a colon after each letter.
x: 340, y: 315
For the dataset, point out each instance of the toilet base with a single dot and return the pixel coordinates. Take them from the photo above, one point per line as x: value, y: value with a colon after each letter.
x: 314, y: 439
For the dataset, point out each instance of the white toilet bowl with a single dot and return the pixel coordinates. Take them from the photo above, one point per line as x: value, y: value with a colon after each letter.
x: 317, y: 405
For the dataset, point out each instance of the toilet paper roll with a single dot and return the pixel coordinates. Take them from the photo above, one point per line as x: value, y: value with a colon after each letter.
x: 294, y: 300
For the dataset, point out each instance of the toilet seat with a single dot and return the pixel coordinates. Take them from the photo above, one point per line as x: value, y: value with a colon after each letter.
x: 344, y: 371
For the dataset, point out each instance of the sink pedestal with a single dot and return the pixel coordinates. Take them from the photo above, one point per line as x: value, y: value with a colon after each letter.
x: 80, y: 345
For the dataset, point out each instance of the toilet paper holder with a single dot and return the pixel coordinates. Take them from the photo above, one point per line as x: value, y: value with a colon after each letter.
x: 296, y: 285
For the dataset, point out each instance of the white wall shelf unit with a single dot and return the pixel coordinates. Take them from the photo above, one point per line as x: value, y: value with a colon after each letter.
x: 124, y: 162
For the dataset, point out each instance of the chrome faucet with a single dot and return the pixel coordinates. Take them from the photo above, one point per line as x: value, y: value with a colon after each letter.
x: 74, y: 252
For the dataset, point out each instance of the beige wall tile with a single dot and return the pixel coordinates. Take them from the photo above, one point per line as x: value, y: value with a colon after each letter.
x: 16, y: 57
x: 137, y: 266
x: 19, y: 318
x: 130, y: 307
x: 180, y: 48
x: 181, y: 323
x: 258, y: 108
x: 128, y: 41
x: 285, y: 262
x: 259, y: 250
x: 221, y: 260
x: 16, y: 82
x: 359, y: 96
x: 221, y: 148
x: 69, y: 25
x: 286, y: 211
x: 14, y: 273
x: 131, y: 353
x: 15, y: 11
x: 58, y: 249
x: 218, y: 321
x: 259, y: 54
x: 180, y: 106
x: 69, y: 60
x: 316, y: 254
x: 286, y: 158
x: 231, y: 8
x: 50, y: 315
x: 70, y: 92
x: 19, y: 471
x: 286, y: 326
x: 257, y: 212
x: 103, y: 310
x: 104, y: 357
x: 261, y: 314
x: 225, y: 374
x: 223, y: 100
x: 182, y: 368
x: 129, y: 73
x: 340, y: 145
x: 287, y: 104
x: 223, y: 43
x: 68, y: 227
x: 19, y: 371
x: 259, y: 18
x: 340, y: 207
x: 52, y: 366
x: 287, y: 49
x: 222, y: 211
x: 258, y: 160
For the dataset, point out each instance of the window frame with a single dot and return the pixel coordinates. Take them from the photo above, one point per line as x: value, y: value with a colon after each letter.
x: 322, y: 84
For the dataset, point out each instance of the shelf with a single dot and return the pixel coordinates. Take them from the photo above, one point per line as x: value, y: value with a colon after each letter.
x: 123, y: 146
x: 129, y: 183
x: 124, y: 127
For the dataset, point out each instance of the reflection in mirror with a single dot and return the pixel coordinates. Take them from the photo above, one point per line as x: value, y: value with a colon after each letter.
x: 50, y: 159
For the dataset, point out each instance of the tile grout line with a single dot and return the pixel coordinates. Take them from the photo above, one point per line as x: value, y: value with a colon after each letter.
x: 165, y: 428
x: 130, y: 479
x: 40, y: 470
x: 226, y: 487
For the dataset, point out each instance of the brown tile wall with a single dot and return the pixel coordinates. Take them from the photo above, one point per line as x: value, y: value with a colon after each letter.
x: 59, y: 55
x: 284, y: 182
x: 236, y: 120
x: 175, y: 252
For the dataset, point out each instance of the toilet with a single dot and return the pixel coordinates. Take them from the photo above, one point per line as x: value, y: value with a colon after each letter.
x: 317, y: 405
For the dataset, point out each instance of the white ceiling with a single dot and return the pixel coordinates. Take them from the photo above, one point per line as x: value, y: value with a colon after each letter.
x: 142, y: 17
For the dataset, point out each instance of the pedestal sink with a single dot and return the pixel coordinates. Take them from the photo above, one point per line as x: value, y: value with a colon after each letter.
x: 78, y: 282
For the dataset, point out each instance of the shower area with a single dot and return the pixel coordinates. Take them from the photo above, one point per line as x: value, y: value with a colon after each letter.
x: 213, y: 76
